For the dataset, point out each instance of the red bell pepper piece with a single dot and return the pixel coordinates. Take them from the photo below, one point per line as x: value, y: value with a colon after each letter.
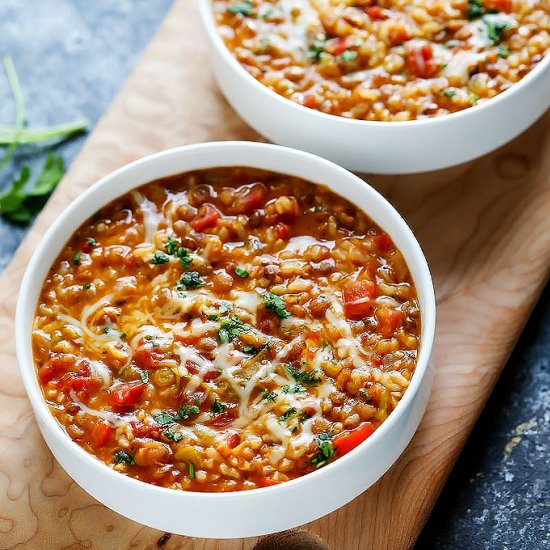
x: 101, y: 433
x: 208, y: 218
x: 127, y: 394
x: 358, y: 296
x: 347, y: 441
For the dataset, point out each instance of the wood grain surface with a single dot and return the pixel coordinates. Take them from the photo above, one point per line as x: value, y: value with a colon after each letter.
x: 485, y: 228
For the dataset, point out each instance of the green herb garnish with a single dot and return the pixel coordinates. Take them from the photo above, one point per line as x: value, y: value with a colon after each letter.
x: 190, y: 280
x: 274, y: 303
x: 231, y: 328
x: 503, y: 51
x: 303, y: 377
x: 217, y: 407
x: 449, y: 93
x: 475, y: 9
x: 143, y: 374
x: 87, y: 286
x: 160, y: 258
x: 191, y: 471
x: 173, y: 436
x: 325, y: 450
x: 186, y: 411
x: 268, y: 396
x: 298, y: 388
x: 495, y: 29
x: 241, y: 8
x: 171, y: 246
x: 122, y: 456
x: 241, y: 272
x: 286, y: 415
x: 316, y: 50
x: 348, y: 55
x: 77, y: 257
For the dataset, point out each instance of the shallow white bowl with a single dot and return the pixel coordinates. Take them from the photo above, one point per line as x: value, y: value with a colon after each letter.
x: 259, y: 511
x: 379, y: 147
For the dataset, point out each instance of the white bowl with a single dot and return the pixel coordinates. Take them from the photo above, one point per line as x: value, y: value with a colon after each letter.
x: 379, y: 147
x: 260, y: 511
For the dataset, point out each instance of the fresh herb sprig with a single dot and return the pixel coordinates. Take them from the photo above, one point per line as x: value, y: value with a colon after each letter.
x: 184, y: 413
x: 274, y: 303
x: 18, y: 204
x: 325, y: 450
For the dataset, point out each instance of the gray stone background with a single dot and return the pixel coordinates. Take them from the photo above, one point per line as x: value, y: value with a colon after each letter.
x: 73, y: 55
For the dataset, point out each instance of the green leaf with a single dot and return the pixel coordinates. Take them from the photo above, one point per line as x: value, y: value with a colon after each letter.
x: 49, y: 177
x: 122, y: 456
x: 268, y: 396
x: 475, y: 9
x: 12, y: 199
x: 191, y: 279
x: 274, y: 303
x: 217, y: 407
x: 241, y: 8
x: 325, y: 450
x: 160, y: 258
x: 305, y: 378
x: 286, y: 415
x: 241, y: 272
x: 165, y: 418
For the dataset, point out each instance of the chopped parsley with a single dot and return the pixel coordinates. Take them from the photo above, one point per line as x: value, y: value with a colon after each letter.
x: 143, y: 374
x: 217, y: 407
x: 77, y: 257
x: 325, y: 450
x: 122, y: 456
x: 231, y: 329
x: 173, y: 436
x: 503, y: 51
x: 303, y: 416
x: 303, y: 377
x: 184, y: 412
x: 298, y: 388
x: 268, y: 396
x: 190, y: 280
x: 274, y: 303
x: 475, y: 9
x: 316, y: 50
x: 241, y: 272
x: 348, y: 55
x: 496, y: 28
x: 191, y: 471
x: 212, y: 317
x: 160, y: 258
x: 241, y: 8
x: 286, y: 415
x: 87, y: 286
x: 449, y: 93
x: 171, y: 246
x: 92, y: 243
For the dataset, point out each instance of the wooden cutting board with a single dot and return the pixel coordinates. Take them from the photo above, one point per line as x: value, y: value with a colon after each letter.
x: 485, y: 228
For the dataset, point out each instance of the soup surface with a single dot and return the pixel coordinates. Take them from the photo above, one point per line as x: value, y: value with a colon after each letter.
x: 225, y: 329
x: 386, y: 59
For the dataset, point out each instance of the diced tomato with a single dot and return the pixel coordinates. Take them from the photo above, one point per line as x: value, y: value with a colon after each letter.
x: 211, y: 375
x: 81, y: 381
x: 282, y: 231
x: 55, y: 366
x: 87, y: 246
x: 338, y: 47
x: 146, y: 430
x: 128, y: 394
x: 267, y: 482
x: 499, y: 5
x: 222, y: 420
x: 389, y: 320
x: 309, y: 101
x: 147, y: 358
x: 419, y: 60
x: 347, y: 441
x: 101, y: 433
x: 358, y: 296
x: 399, y: 34
x: 208, y: 218
x: 252, y: 198
x: 375, y: 13
x: 233, y: 440
x: 383, y: 242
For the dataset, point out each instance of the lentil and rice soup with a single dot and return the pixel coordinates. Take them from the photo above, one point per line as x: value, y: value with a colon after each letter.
x: 386, y: 59
x: 225, y: 329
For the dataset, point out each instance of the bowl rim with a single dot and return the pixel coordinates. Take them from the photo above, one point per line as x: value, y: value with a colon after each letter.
x: 207, y: 15
x: 23, y: 342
